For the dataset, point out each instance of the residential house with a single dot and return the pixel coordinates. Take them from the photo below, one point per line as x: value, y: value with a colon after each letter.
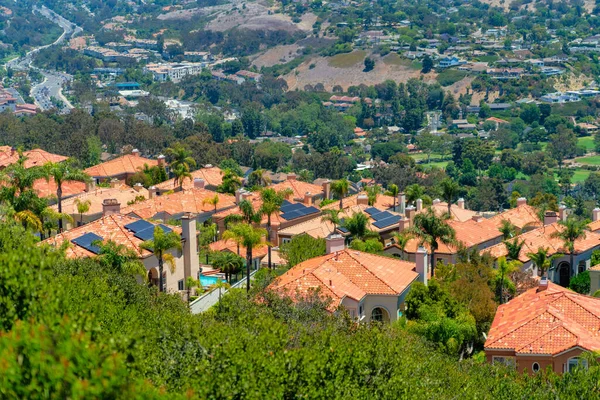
x: 131, y: 233
x: 208, y: 177
x: 505, y: 73
x: 33, y: 158
x: 546, y: 327
x: 448, y: 62
x: 123, y: 167
x: 258, y: 253
x: 301, y: 191
x: 370, y: 287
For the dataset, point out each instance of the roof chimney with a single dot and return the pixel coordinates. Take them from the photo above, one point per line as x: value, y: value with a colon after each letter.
x: 334, y: 243
x: 161, y: 160
x: 238, y: 196
x: 208, y: 166
x: 421, y: 264
x: 246, y: 195
x: 403, y: 224
x: 326, y: 189
x: 362, y: 199
x: 410, y: 213
x: 521, y: 201
x: 419, y: 205
x: 152, y: 192
x: 543, y: 284
x: 138, y: 187
x: 308, y: 199
x: 596, y: 214
x: 436, y: 201
x: 563, y: 212
x: 135, y: 152
x: 477, y: 217
x: 401, y: 203
x: 90, y: 185
x: 461, y: 203
x: 291, y: 177
x: 110, y: 207
x: 198, y: 183
x: 550, y: 217
x: 114, y: 182
x: 191, y: 261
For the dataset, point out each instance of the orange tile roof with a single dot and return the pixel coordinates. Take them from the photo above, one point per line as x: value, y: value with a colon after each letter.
x: 498, y: 120
x: 111, y: 227
x: 594, y: 226
x: 458, y: 214
x: 47, y: 188
x: 546, y: 322
x: 122, y: 193
x: 186, y: 201
x: 347, y: 273
x: 126, y: 164
x: 35, y: 157
x: 521, y: 217
x: 542, y: 238
x: 212, y: 176
x: 299, y: 188
x: 383, y: 202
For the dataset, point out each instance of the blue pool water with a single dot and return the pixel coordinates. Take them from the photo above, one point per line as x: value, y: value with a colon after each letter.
x: 208, y: 280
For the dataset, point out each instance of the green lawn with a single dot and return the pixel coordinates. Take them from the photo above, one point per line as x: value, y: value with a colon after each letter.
x: 450, y: 77
x: 395, y: 59
x: 488, y: 58
x: 347, y: 60
x: 587, y: 142
x: 591, y: 160
x: 580, y: 175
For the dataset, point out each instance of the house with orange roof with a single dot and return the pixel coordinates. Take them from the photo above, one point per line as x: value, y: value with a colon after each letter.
x: 232, y: 247
x: 370, y: 287
x: 174, y: 205
x: 560, y: 271
x: 301, y: 191
x: 208, y: 177
x: 546, y: 327
x: 497, y: 121
x: 33, y: 158
x: 123, y: 167
x: 383, y: 202
x: 523, y: 216
x: 131, y: 233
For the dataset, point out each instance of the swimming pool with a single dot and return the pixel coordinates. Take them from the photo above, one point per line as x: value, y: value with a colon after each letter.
x: 208, y: 280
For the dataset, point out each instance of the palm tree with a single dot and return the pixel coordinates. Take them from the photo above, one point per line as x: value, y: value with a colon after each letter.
x: 393, y: 191
x: 341, y: 188
x: 120, y: 258
x: 213, y: 201
x: 61, y: 173
x: 271, y: 204
x: 208, y: 234
x: 180, y: 156
x: 542, y: 260
x: 191, y: 283
x: 507, y: 229
x: 180, y: 173
x: 450, y: 190
x: 372, y: 193
x: 414, y: 192
x: 28, y: 219
x: 502, y: 280
x: 249, y: 215
x: 228, y: 263
x: 251, y: 238
x: 430, y: 229
x: 305, y: 175
x: 51, y: 219
x: 513, y: 249
x: 160, y: 245
x: 231, y: 182
x: 83, y: 206
x: 332, y: 216
x: 401, y: 240
x: 357, y: 225
x: 572, y: 230
x: 259, y: 177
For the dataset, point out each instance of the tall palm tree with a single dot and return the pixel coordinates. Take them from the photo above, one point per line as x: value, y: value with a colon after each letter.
x: 414, y: 192
x: 180, y: 173
x: 160, y: 245
x: 571, y: 230
x: 228, y: 263
x: 372, y: 193
x: 213, y: 201
x: 542, y: 260
x: 341, y: 188
x: 259, y: 177
x: 271, y: 204
x: 513, y: 248
x: 249, y: 214
x: 50, y: 219
x: 430, y: 229
x: 83, y: 206
x: 333, y: 216
x: 120, y: 258
x: 508, y: 229
x: 450, y: 190
x: 358, y: 226
x: 191, y: 283
x: 230, y: 183
x: 502, y: 280
x: 61, y: 173
x: 401, y: 240
x: 251, y: 238
x: 393, y: 191
x: 180, y: 156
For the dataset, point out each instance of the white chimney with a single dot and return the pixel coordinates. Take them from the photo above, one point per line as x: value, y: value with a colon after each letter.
x: 419, y: 205
x: 191, y: 261
x: 135, y: 152
x: 114, y: 183
x: 110, y: 207
x: 563, y: 212
x: 90, y: 185
x: 550, y: 217
x: 238, y: 195
x: 543, y: 284
x: 334, y: 243
x: 477, y: 217
x: 138, y: 187
x: 161, y: 160
x: 198, y: 183
x: 461, y: 203
x: 521, y: 201
x: 596, y: 214
x: 436, y: 201
x: 421, y: 261
x: 326, y: 189
x: 402, y: 203
x: 291, y: 177
x: 152, y: 192
x: 410, y: 214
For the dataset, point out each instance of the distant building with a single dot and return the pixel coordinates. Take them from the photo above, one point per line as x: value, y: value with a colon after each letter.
x: 448, y: 62
x: 173, y: 72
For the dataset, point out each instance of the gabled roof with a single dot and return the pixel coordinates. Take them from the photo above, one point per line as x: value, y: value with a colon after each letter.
x: 186, y: 201
x: 35, y: 157
x: 111, y: 227
x: 383, y: 201
x: 213, y: 176
x: 521, y: 217
x: 126, y: 164
x: 47, y: 188
x: 122, y: 193
x: 347, y: 273
x: 458, y: 214
x: 299, y: 188
x: 543, y: 238
x: 546, y: 322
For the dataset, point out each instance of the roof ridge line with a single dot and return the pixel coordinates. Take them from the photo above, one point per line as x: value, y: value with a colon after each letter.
x: 370, y: 272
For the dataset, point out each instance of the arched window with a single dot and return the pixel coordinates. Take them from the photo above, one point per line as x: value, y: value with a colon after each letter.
x: 576, y: 362
x: 535, y: 367
x: 380, y: 314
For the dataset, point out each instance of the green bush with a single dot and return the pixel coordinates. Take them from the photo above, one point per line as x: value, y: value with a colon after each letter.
x: 450, y: 76
x: 581, y: 283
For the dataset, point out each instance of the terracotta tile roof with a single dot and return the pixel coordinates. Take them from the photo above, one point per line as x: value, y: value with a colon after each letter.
x: 213, y: 176
x: 458, y: 214
x: 36, y: 157
x: 230, y: 245
x: 299, y: 188
x: 498, y: 120
x: 383, y: 202
x: 348, y: 273
x: 594, y: 226
x: 186, y: 201
x: 45, y: 188
x: 126, y: 164
x: 122, y: 193
x: 595, y: 268
x: 546, y: 322
x: 542, y: 238
x: 521, y: 217
x: 111, y: 227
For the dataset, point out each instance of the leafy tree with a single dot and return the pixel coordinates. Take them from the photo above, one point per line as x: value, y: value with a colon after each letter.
x: 414, y: 192
x: 259, y: 177
x: 271, y: 204
x: 562, y: 145
x: 213, y: 201
x: 301, y: 248
x: 333, y: 216
x: 230, y: 182
x: 427, y: 64
x: 248, y: 236
x: 530, y: 112
x: 513, y: 248
x: 373, y: 192
x: 369, y: 64
x: 121, y: 259
x: 450, y: 191
x: 401, y: 239
x: 431, y: 230
x: 368, y: 246
x: 228, y: 263
x: 358, y: 226
x: 502, y: 280
x: 161, y: 244
x: 340, y: 188
x: 542, y: 260
x: 508, y: 229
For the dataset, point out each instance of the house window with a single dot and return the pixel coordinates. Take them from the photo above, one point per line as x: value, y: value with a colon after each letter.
x: 508, y: 361
x: 581, y: 267
x: 535, y: 367
x: 352, y: 312
x: 379, y: 314
x: 180, y: 285
x: 576, y: 362
x: 285, y: 240
x: 360, y: 311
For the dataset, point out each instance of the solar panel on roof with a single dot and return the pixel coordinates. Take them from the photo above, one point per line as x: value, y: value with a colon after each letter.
x: 382, y: 223
x: 342, y: 229
x: 291, y: 207
x: 291, y: 215
x: 310, y: 210
x: 86, y: 241
x: 381, y: 215
x: 148, y: 234
x: 372, y: 210
x: 138, y: 225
